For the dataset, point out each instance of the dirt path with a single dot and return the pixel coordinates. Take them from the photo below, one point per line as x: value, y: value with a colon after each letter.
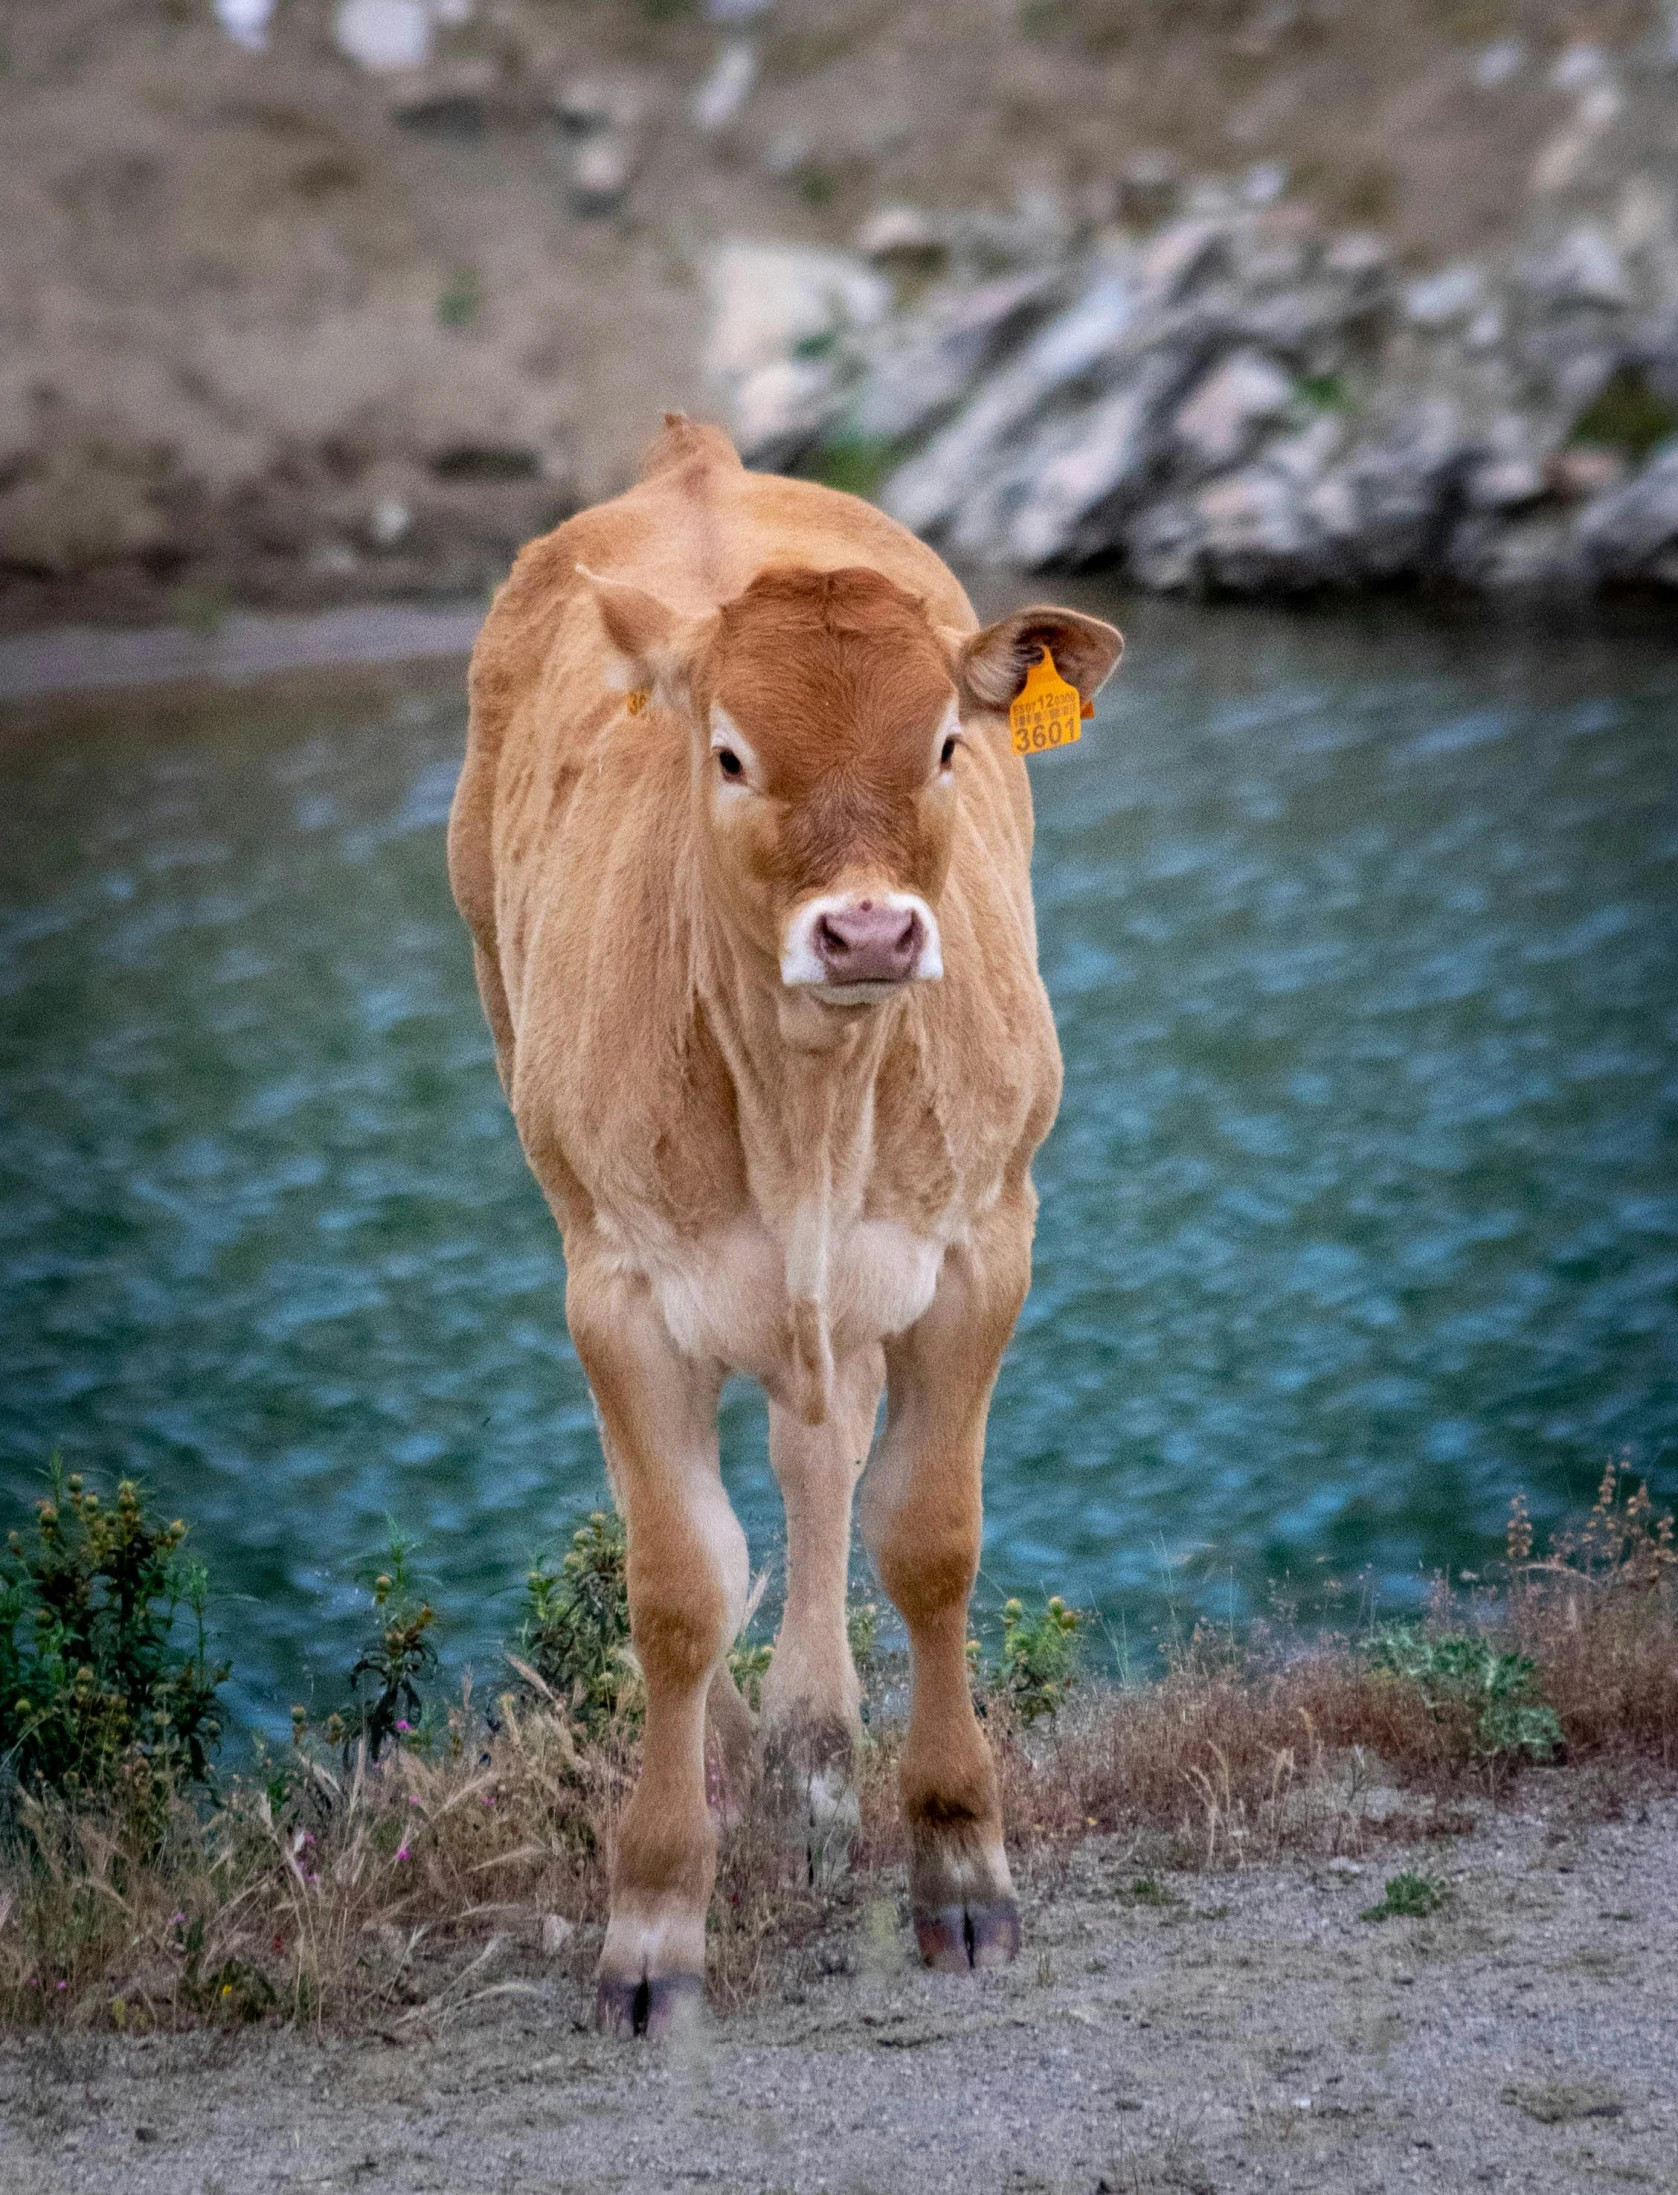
x: 1253, y: 2032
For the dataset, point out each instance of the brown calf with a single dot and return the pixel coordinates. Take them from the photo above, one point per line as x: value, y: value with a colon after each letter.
x: 744, y: 848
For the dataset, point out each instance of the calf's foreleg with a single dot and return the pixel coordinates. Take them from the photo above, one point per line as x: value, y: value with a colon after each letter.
x: 811, y: 1696
x: 687, y: 1594
x: 921, y: 1514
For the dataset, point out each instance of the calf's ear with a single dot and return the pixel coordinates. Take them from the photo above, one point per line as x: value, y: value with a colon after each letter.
x: 991, y: 666
x: 658, y: 646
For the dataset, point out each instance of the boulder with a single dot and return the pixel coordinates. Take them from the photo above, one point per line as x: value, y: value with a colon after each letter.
x: 1074, y: 503
x: 784, y: 321
x: 1583, y: 270
x: 1539, y: 553
x: 722, y: 95
x: 602, y: 167
x: 1259, y: 534
x: 1509, y: 469
x: 1385, y: 507
x: 1180, y: 258
x: 1445, y: 299
x: 927, y: 364
x: 903, y: 236
x: 246, y: 22
x: 1254, y: 531
x: 384, y: 35
x: 1222, y: 419
x: 1631, y: 533
x: 1072, y: 347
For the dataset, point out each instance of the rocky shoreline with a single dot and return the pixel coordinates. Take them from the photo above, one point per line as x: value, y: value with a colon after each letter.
x: 315, y: 303
x: 1238, y: 399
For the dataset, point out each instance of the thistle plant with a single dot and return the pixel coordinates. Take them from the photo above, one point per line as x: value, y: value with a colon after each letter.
x: 105, y: 1670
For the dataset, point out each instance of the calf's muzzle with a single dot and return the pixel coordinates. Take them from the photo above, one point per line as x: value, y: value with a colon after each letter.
x: 864, y: 941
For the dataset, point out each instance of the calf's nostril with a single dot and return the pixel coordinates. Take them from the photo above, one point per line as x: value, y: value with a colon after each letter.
x: 862, y: 941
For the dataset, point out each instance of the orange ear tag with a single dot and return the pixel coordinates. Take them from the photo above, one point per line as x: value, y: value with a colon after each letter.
x: 1046, y: 711
x: 636, y: 699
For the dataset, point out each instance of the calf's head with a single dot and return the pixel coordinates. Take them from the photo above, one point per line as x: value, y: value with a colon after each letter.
x: 828, y: 717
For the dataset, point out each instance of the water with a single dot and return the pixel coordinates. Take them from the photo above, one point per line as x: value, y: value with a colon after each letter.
x: 1362, y: 1212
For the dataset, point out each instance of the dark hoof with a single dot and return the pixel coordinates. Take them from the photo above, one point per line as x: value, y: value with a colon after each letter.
x: 956, y: 1938
x: 652, y: 2006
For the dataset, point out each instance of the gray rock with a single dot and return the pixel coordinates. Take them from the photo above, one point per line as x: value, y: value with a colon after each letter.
x: 1305, y: 456
x: 1386, y: 506
x: 1075, y: 504
x: 720, y: 98
x: 384, y: 34
x: 1260, y: 534
x: 1163, y: 545
x: 1221, y: 421
x: 602, y: 165
x: 1181, y: 257
x: 785, y: 323
x: 1309, y: 325
x: 905, y: 236
x: 1148, y: 185
x: 1510, y: 468
x: 1442, y: 300
x: 926, y: 493
x: 1360, y: 259
x: 1536, y: 554
x: 926, y: 366
x: 1583, y: 270
x: 1631, y: 533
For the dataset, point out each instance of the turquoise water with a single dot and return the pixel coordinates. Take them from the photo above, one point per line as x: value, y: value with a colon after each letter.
x: 1361, y: 1215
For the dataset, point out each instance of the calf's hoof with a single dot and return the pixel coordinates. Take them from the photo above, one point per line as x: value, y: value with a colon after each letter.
x: 954, y: 1939
x: 654, y: 2006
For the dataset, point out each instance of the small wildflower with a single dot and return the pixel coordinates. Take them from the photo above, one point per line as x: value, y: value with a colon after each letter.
x: 402, y: 1851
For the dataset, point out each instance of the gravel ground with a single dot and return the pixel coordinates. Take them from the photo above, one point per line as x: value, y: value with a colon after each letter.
x: 1255, y: 2031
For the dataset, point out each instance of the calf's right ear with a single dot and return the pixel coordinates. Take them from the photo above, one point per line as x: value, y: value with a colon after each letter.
x: 991, y: 666
x: 658, y: 646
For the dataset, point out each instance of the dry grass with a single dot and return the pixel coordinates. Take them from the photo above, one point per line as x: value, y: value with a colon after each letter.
x: 399, y: 1896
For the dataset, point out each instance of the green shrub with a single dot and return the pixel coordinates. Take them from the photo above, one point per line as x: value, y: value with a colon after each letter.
x: 854, y: 465
x: 97, y: 1684
x: 1408, y: 1897
x: 385, y: 1700
x: 1626, y: 415
x: 862, y: 1628
x: 1036, y: 1666
x: 575, y: 1634
x: 1461, y: 1677
x: 748, y: 1665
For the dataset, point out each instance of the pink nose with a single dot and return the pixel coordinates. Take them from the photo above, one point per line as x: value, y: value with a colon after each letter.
x: 865, y: 943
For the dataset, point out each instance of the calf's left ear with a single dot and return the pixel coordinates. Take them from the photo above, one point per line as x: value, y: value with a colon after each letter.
x: 991, y: 666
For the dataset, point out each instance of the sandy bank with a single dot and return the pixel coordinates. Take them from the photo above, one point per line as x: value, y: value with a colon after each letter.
x: 1253, y: 2031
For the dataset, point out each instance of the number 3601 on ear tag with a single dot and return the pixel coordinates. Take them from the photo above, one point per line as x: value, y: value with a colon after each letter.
x: 1046, y: 710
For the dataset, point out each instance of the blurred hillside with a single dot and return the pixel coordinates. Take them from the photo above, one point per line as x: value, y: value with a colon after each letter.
x: 294, y: 316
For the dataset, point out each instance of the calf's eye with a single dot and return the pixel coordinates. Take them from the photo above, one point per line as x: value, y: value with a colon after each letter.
x: 947, y: 753
x: 729, y: 763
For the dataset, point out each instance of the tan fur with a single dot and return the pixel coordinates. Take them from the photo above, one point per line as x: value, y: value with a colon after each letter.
x: 749, y: 1176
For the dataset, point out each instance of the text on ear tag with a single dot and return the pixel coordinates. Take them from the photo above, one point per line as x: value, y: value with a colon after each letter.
x: 636, y: 699
x: 1046, y: 710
